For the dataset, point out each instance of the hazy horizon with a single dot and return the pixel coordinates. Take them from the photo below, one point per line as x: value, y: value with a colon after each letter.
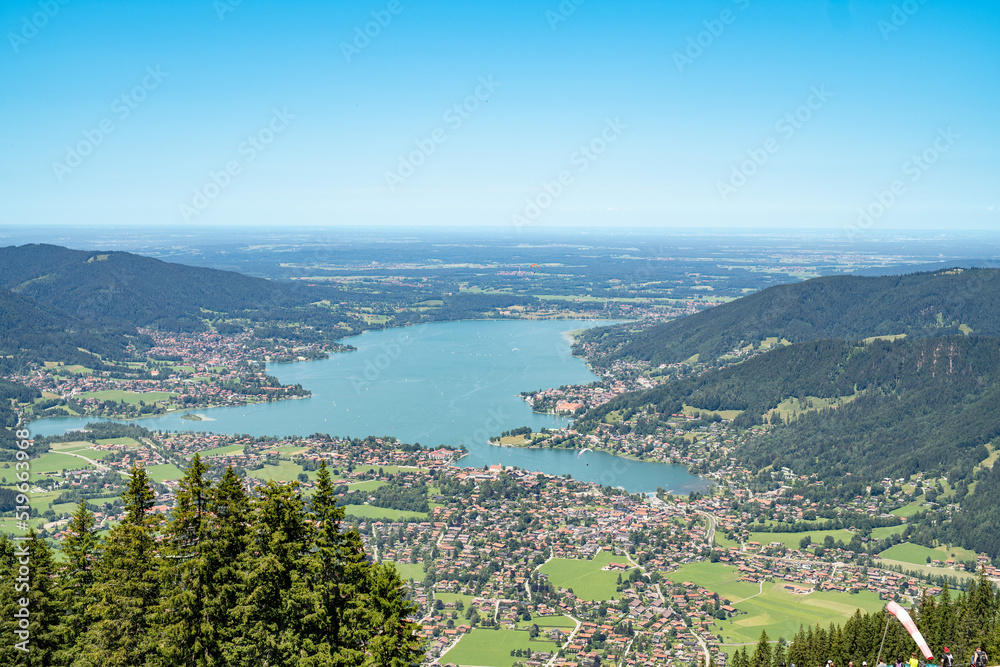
x: 527, y: 115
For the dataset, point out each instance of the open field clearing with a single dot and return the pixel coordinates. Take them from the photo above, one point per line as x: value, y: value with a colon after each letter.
x: 585, y: 577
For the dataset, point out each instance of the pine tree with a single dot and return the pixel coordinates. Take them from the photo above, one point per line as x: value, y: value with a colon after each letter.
x: 780, y: 656
x: 327, y: 577
x: 394, y: 642
x: 762, y: 654
x: 229, y: 535
x: 947, y: 621
x: 798, y: 652
x: 29, y: 578
x: 187, y: 574
x: 80, y: 549
x: 275, y: 568
x: 126, y: 587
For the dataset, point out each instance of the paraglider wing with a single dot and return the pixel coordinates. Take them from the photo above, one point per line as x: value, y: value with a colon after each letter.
x: 911, y: 627
x: 580, y: 453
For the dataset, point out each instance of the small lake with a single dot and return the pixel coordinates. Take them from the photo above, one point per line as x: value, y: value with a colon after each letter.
x: 454, y: 383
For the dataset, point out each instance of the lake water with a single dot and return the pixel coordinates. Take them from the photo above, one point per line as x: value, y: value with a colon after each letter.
x: 454, y: 383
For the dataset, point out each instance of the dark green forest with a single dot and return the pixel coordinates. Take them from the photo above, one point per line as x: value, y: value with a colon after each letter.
x: 225, y: 579
x: 847, y: 307
x: 920, y: 405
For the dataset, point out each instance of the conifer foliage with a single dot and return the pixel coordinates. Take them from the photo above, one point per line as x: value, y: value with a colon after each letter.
x: 224, y: 579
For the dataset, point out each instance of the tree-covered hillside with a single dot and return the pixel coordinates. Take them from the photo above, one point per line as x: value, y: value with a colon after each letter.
x: 37, y: 330
x: 849, y: 307
x: 226, y: 580
x: 917, y: 405
x: 121, y: 287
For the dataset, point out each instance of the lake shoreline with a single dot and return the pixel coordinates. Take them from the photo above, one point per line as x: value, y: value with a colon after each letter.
x: 455, y: 384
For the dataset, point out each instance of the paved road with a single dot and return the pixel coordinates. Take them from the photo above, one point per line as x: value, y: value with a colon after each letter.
x: 572, y: 635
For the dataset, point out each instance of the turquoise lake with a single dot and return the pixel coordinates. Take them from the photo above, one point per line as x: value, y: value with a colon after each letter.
x: 454, y: 383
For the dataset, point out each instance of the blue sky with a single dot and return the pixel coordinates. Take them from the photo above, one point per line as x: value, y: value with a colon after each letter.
x: 624, y: 113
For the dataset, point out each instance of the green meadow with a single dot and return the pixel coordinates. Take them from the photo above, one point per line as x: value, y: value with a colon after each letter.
x: 769, y: 607
x: 372, y: 512
x: 585, y: 577
x: 491, y: 648
x: 56, y: 462
x: 285, y: 471
x: 557, y: 621
x: 782, y: 612
x: 124, y: 440
x: 719, y: 577
x: 407, y: 571
x: 791, y: 540
x: 164, y: 472
x: 907, y: 552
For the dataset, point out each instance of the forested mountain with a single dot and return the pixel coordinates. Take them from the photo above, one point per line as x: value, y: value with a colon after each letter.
x: 120, y: 287
x: 920, y: 405
x: 849, y: 307
x: 48, y: 332
x: 925, y: 405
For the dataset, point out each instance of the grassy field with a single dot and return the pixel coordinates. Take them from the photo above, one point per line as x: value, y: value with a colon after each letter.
x: 791, y: 540
x: 910, y: 509
x: 793, y: 408
x: 75, y: 444
x: 288, y: 450
x: 219, y: 451
x: 95, y: 454
x: 285, y: 471
x: 57, y: 461
x: 406, y: 571
x: 128, y: 396
x: 769, y: 607
x: 164, y: 472
x: 118, y: 441
x: 887, y: 531
x: 558, y: 621
x: 69, y: 508
x: 723, y: 541
x: 718, y: 577
x: 781, y: 612
x: 491, y: 648
x: 75, y: 369
x: 368, y: 485
x: 585, y: 577
x: 513, y: 440
x: 925, y: 569
x: 372, y: 512
x: 690, y: 411
x: 907, y: 552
